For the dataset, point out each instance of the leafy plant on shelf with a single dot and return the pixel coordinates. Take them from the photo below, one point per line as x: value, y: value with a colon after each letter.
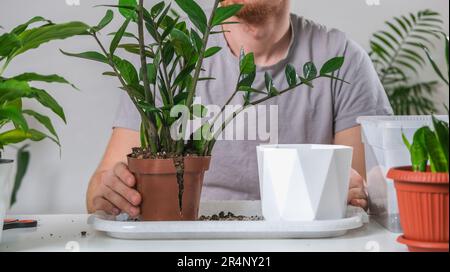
x: 399, y: 60
x: 14, y: 89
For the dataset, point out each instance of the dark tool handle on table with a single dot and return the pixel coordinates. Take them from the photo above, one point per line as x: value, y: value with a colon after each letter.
x: 18, y: 224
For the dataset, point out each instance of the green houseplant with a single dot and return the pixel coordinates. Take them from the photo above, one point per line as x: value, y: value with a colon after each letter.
x: 14, y: 127
x: 170, y: 69
x: 422, y: 189
x: 399, y: 60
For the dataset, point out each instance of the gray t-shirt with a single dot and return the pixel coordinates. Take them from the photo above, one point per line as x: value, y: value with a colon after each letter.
x: 305, y: 115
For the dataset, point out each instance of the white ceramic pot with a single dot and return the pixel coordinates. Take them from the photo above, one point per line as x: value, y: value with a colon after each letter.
x: 5, y: 172
x: 304, y: 182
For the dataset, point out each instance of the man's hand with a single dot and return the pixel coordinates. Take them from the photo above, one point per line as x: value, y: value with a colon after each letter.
x: 357, y: 195
x: 115, y: 192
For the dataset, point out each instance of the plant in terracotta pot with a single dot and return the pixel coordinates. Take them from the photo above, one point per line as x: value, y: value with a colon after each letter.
x: 170, y: 163
x: 422, y: 189
x: 14, y: 89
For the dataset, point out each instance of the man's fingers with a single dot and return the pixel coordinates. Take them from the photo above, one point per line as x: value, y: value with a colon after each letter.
x: 101, y: 204
x: 123, y: 173
x: 356, y: 180
x: 126, y: 192
x: 120, y: 202
x: 359, y: 203
x: 356, y: 193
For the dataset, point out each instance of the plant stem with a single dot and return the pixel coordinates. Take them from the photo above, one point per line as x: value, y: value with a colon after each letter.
x: 236, y: 90
x: 140, y: 23
x: 201, y: 57
x: 231, y: 118
x: 150, y: 126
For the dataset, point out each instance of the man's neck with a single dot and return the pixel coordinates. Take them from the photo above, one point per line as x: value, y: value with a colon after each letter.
x: 268, y: 40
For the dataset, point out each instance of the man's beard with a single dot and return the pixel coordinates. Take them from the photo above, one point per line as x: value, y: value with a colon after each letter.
x: 256, y: 11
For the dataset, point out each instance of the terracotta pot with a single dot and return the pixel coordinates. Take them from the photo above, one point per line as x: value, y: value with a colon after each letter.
x: 424, y: 208
x: 156, y: 181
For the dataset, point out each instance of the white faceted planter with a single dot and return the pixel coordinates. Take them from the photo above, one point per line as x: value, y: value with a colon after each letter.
x: 304, y: 182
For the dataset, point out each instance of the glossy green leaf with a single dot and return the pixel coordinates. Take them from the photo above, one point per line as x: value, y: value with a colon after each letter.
x: 13, y: 114
x: 180, y: 98
x: 35, y: 37
x: 441, y: 129
x: 128, y: 9
x: 195, y: 14
x: 90, y: 55
x: 183, y: 74
x: 8, y: 42
x: 135, y: 49
x: 12, y: 89
x: 182, y: 43
x: 212, y: 51
x: 438, y: 160
x: 419, y: 153
x: 44, y: 120
x: 291, y: 75
x: 309, y: 70
x: 157, y: 9
x: 147, y: 107
x: 163, y: 17
x: 21, y: 28
x: 17, y: 135
x: 247, y: 64
x: 127, y: 71
x: 42, y: 78
x: 105, y: 20
x: 247, y: 79
x: 196, y: 41
x: 118, y: 37
x: 223, y: 13
x: 332, y: 65
x: 48, y: 101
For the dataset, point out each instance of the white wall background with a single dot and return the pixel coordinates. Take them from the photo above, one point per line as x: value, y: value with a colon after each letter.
x: 57, y: 184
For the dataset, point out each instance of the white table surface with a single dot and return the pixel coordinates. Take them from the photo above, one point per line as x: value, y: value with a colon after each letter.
x: 64, y: 233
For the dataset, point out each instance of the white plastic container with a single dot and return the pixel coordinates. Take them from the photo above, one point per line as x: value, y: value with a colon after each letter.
x: 5, y: 172
x: 304, y: 182
x: 384, y: 148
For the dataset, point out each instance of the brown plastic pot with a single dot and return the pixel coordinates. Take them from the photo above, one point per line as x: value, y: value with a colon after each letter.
x: 156, y: 181
x: 424, y: 208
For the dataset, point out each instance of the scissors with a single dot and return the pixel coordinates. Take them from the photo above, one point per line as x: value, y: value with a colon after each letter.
x: 18, y: 224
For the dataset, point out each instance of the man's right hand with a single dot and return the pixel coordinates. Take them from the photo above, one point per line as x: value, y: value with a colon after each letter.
x: 115, y: 192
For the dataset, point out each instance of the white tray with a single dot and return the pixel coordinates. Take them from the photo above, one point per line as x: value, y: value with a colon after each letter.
x: 119, y: 227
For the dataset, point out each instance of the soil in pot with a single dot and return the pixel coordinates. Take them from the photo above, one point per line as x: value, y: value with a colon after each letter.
x: 424, y: 208
x: 164, y: 196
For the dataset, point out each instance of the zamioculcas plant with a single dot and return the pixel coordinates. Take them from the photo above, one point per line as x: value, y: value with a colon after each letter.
x: 14, y: 89
x: 165, y: 84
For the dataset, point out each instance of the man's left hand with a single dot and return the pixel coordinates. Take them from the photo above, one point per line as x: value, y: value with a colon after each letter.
x: 357, y: 195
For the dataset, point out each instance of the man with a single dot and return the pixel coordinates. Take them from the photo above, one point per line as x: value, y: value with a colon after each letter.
x: 323, y: 115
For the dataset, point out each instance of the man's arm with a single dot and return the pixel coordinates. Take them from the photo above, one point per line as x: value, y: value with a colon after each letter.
x: 111, y: 186
x: 352, y: 137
